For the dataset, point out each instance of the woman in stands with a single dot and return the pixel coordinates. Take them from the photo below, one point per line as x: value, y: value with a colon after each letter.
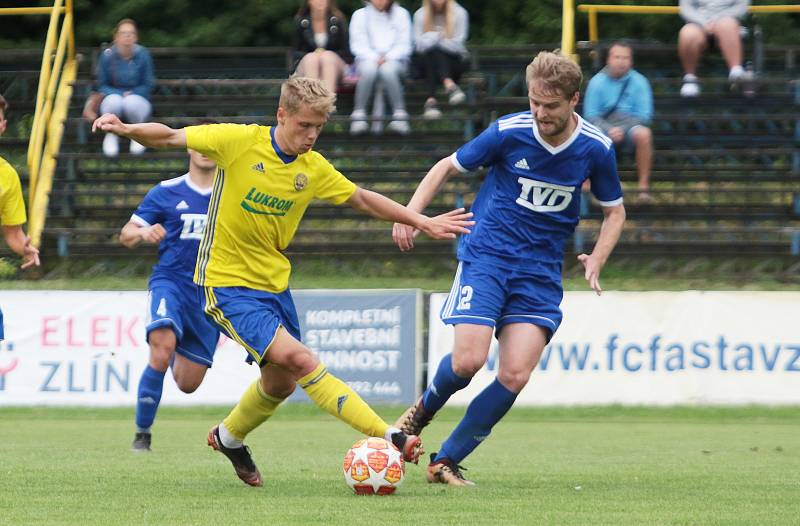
x: 125, y: 78
x: 380, y: 39
x: 321, y: 42
x: 440, y: 31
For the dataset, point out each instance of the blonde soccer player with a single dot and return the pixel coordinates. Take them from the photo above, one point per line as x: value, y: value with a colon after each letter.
x: 267, y: 177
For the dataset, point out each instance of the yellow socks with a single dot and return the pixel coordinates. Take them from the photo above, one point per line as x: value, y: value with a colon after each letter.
x: 335, y: 397
x: 254, y: 408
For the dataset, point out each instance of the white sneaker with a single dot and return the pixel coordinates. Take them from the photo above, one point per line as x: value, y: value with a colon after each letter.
x: 111, y: 145
x: 690, y: 87
x: 399, y: 127
x: 399, y: 123
x: 455, y: 96
x: 432, y: 111
x: 137, y: 148
x: 358, y: 122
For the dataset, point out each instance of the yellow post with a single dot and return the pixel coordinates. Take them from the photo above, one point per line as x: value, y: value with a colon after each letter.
x: 57, y: 74
x: 593, y: 36
x: 568, y: 29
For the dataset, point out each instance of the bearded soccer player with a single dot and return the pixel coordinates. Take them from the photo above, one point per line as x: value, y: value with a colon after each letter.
x: 508, y: 280
x: 12, y: 210
x: 267, y: 177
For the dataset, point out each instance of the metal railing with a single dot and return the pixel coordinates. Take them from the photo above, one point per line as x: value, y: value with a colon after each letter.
x: 58, y: 72
x: 594, y: 9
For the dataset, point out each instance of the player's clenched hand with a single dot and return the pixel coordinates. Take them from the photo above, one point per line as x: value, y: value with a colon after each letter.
x: 30, y: 256
x: 152, y: 234
x: 109, y: 123
x: 591, y: 272
x: 403, y: 236
x: 446, y: 226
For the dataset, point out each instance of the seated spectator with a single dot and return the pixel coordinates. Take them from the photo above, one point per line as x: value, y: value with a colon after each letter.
x: 321, y: 42
x: 709, y: 20
x: 125, y: 78
x: 619, y: 101
x: 380, y: 40
x: 440, y: 31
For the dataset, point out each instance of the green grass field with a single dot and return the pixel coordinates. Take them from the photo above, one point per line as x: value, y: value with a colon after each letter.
x: 541, y: 466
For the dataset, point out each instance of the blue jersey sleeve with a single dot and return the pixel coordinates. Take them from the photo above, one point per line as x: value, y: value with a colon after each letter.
x: 483, y: 150
x: 151, y: 210
x: 606, y: 186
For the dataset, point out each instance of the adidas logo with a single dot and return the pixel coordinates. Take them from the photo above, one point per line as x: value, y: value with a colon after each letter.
x: 522, y: 164
x: 181, y: 206
x: 258, y: 167
x: 340, y: 403
x: 149, y: 400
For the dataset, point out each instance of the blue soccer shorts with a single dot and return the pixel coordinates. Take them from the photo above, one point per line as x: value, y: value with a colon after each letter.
x: 251, y: 317
x: 493, y: 296
x: 177, y: 306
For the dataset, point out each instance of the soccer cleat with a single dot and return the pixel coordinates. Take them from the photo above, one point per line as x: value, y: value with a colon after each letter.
x: 445, y: 471
x: 141, y: 443
x: 414, y: 419
x: 240, y: 458
x: 409, y: 445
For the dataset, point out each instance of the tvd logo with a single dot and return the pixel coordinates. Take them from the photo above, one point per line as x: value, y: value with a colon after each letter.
x: 544, y: 197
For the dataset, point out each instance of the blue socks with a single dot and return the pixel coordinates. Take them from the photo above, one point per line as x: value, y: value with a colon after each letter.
x: 482, y: 414
x: 150, y: 387
x: 444, y: 384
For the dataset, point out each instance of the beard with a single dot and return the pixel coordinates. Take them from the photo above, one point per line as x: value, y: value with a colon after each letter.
x: 555, y: 127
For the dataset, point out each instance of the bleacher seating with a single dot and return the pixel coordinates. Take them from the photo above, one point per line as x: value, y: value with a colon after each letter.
x: 725, y: 182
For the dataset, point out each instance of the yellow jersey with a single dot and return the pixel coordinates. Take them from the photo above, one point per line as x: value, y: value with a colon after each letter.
x: 259, y: 196
x: 12, y: 207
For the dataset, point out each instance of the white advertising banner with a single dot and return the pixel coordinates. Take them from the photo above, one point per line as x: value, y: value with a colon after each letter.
x: 88, y: 347
x: 659, y: 348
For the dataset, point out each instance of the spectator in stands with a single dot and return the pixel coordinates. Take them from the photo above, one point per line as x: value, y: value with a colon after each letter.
x: 321, y: 42
x: 619, y: 101
x: 125, y: 78
x: 440, y: 31
x: 711, y: 20
x: 380, y: 40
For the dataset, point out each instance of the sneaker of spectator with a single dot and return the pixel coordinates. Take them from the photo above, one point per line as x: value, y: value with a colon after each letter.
x: 399, y: 123
x: 691, y: 86
x: 111, y: 145
x: 137, y: 148
x: 358, y: 123
x: 455, y: 95
x: 431, y: 110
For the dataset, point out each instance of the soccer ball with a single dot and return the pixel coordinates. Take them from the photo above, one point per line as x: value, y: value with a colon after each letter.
x: 373, y: 466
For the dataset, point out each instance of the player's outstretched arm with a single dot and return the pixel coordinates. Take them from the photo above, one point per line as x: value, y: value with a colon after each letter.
x: 151, y: 134
x: 21, y: 244
x: 404, y: 234
x: 444, y: 226
x: 610, y: 230
x: 133, y: 234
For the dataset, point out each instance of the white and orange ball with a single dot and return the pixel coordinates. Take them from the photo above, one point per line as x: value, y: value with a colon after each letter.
x: 373, y: 466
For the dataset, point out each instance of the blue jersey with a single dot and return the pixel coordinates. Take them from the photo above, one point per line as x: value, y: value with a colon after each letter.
x: 181, y: 208
x: 529, y: 203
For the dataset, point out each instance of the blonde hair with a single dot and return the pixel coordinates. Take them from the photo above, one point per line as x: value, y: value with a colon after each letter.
x: 449, y: 18
x: 556, y: 73
x: 305, y: 91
